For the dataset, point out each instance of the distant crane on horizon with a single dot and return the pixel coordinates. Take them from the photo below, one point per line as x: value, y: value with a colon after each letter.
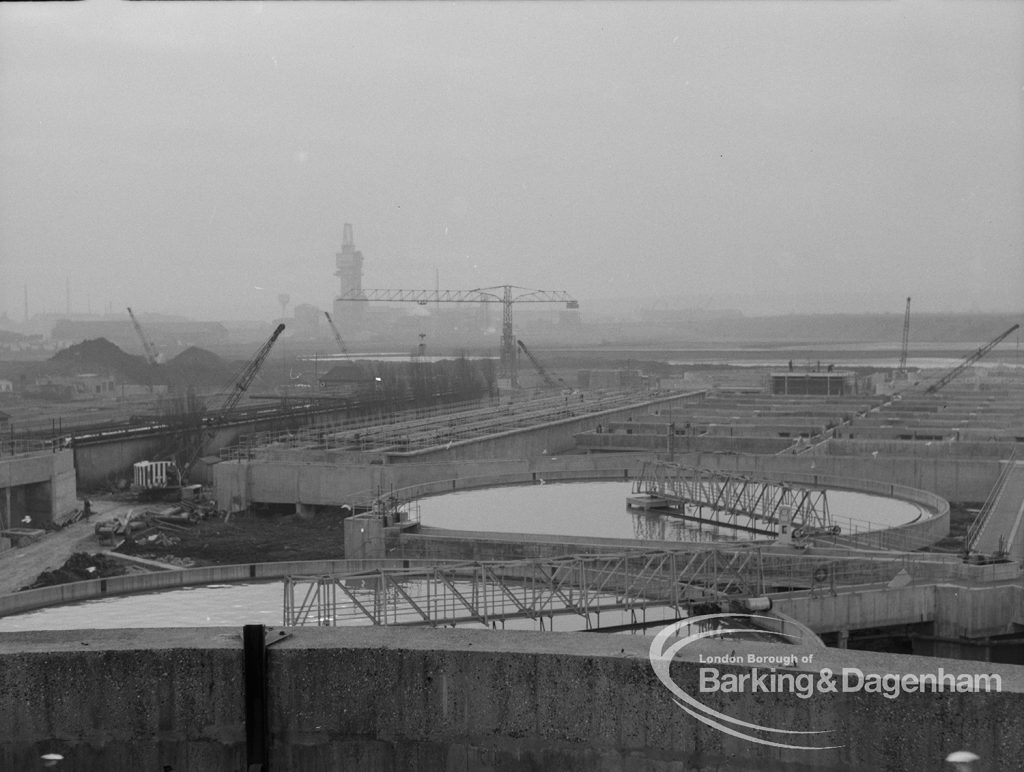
x: 902, y: 367
x: 152, y: 356
x: 337, y: 335
x: 504, y: 294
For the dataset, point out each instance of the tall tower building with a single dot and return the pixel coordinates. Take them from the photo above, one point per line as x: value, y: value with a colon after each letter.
x: 349, y: 271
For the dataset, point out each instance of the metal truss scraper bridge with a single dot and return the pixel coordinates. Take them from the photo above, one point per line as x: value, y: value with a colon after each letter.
x: 734, y: 500
x: 634, y: 582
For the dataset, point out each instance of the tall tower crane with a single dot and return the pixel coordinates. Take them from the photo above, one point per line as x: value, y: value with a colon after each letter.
x: 902, y: 367
x: 147, y: 345
x: 337, y: 335
x: 505, y: 294
x: 968, y: 361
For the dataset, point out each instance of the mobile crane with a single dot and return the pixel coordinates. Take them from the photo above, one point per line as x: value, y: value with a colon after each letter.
x: 231, y: 396
x: 548, y: 380
x: 337, y: 335
x: 152, y: 356
x: 968, y: 361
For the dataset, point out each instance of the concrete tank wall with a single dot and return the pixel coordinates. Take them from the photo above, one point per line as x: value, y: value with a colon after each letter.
x: 377, y: 699
x: 103, y: 462
x: 317, y: 481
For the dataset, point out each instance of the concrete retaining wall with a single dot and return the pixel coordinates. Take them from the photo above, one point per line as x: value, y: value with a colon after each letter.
x: 101, y: 463
x: 40, y: 485
x: 377, y: 699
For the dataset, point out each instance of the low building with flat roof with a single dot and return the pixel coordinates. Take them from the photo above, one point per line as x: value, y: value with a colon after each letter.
x: 827, y: 383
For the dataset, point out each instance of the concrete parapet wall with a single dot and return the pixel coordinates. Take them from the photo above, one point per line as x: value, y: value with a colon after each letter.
x: 957, y: 611
x: 964, y: 611
x: 960, y: 450
x: 123, y: 700
x: 381, y: 699
x: 861, y: 608
x: 660, y: 443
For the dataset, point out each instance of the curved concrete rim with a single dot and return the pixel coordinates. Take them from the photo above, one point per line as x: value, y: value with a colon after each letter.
x: 913, y: 535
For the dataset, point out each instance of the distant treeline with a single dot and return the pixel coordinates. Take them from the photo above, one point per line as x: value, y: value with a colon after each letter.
x: 431, y: 383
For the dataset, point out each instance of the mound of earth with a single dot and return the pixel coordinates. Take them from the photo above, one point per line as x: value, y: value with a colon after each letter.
x: 197, y: 367
x: 100, y: 356
x: 80, y: 567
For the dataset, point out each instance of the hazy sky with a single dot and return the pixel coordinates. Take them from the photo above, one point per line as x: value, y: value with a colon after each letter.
x: 202, y: 158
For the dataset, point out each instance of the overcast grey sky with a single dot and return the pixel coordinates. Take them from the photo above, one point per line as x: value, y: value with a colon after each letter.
x: 201, y: 158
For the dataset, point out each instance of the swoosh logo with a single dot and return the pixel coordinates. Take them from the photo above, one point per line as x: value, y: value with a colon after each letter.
x: 661, y: 656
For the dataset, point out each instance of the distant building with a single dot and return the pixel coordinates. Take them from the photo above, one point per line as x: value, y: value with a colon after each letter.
x: 307, y: 320
x: 349, y: 262
x: 68, y: 388
x: 813, y: 383
x: 346, y: 379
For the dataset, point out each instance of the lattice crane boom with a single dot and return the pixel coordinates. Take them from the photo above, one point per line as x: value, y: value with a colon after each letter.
x: 548, y: 380
x: 249, y: 372
x: 151, y: 353
x: 337, y: 335
x: 906, y: 339
x: 968, y: 361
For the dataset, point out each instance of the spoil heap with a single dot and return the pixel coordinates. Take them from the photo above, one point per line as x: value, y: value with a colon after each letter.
x: 197, y: 367
x: 80, y: 567
x: 98, y: 356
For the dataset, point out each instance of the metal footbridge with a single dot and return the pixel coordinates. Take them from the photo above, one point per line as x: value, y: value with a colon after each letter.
x: 632, y: 581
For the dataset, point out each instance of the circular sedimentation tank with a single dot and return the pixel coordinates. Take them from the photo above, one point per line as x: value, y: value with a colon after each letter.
x: 541, y: 508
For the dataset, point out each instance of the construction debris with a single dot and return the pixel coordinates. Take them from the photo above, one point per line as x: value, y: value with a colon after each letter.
x: 80, y: 567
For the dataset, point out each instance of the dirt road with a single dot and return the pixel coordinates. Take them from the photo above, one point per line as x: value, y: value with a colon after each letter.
x: 20, y: 567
